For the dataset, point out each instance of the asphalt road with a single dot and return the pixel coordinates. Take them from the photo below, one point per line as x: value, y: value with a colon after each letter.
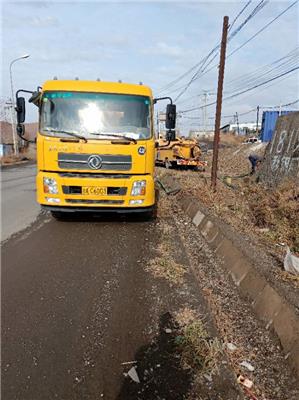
x: 82, y: 299
x: 77, y: 303
x: 18, y: 206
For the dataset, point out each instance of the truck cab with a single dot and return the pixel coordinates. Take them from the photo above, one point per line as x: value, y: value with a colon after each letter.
x: 95, y: 146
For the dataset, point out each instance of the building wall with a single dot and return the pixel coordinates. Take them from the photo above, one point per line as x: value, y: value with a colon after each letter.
x: 282, y: 153
x: 268, y: 123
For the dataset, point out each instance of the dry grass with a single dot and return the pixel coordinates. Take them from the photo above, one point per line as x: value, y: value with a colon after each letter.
x: 11, y: 159
x: 288, y: 277
x: 28, y: 153
x: 277, y: 210
x: 165, y: 267
x: 245, y: 204
x: 199, y: 351
x: 231, y: 139
x: 164, y: 264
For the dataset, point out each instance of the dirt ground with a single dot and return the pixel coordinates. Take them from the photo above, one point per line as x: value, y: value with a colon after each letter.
x: 269, y: 218
x: 242, y: 336
x: 26, y: 154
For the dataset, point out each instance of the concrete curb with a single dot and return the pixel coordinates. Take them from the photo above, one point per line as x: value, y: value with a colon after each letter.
x: 267, y: 303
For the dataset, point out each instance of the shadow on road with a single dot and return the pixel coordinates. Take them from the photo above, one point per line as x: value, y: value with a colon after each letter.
x: 158, y: 368
x: 100, y: 218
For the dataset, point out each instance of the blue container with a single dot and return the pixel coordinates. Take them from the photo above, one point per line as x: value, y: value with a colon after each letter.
x: 268, y: 124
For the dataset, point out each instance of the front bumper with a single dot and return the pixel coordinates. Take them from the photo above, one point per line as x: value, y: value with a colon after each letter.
x: 118, y: 195
x: 112, y: 210
x: 194, y: 163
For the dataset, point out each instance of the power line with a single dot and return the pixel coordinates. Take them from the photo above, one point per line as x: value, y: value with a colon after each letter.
x: 201, y: 63
x: 239, y: 14
x: 242, y: 45
x: 283, y: 64
x: 252, y: 110
x: 269, y: 70
x: 262, y: 29
x: 246, y: 90
x: 258, y: 8
x: 289, y: 57
x: 282, y: 105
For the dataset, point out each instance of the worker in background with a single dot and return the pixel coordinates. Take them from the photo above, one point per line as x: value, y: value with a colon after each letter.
x: 255, y: 161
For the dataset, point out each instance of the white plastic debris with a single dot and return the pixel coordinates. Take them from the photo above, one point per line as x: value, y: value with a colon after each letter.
x: 291, y: 262
x: 133, y: 375
x: 245, y: 381
x: 129, y: 362
x: 167, y: 330
x: 208, y: 377
x: 247, y: 365
x: 231, y: 347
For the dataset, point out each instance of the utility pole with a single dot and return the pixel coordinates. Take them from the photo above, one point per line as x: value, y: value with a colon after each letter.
x: 13, y: 127
x: 257, y: 120
x: 238, y: 126
x: 219, y: 103
x: 204, y: 111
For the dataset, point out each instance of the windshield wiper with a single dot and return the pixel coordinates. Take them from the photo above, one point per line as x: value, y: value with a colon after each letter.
x: 74, y: 134
x: 128, y: 138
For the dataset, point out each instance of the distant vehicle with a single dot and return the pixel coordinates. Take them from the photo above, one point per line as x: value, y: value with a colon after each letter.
x: 251, y: 140
x: 181, y: 152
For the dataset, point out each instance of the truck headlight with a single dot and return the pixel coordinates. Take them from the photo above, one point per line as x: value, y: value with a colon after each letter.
x: 50, y: 186
x: 138, y: 188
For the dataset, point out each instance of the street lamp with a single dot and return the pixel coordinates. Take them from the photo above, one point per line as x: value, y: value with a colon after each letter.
x: 16, y: 149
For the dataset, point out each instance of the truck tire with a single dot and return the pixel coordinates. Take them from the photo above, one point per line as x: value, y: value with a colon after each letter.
x: 150, y: 215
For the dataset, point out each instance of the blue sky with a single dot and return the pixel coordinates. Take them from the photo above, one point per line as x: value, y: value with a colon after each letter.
x: 148, y: 41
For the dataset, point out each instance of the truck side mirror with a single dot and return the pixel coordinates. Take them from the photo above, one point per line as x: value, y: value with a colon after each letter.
x: 35, y: 98
x: 21, y: 110
x: 170, y: 116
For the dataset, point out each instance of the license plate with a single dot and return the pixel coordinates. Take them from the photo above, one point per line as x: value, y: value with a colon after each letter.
x: 94, y: 190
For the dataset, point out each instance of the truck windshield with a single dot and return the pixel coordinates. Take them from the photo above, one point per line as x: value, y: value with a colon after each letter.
x: 95, y: 115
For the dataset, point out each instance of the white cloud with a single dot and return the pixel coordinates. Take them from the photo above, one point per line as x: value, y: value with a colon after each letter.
x: 164, y: 49
x: 42, y: 22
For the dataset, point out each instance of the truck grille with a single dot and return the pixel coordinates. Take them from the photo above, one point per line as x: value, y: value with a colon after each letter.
x: 93, y: 175
x: 105, y: 162
x: 84, y: 201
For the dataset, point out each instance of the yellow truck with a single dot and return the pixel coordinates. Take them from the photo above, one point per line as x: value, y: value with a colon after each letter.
x: 95, y: 146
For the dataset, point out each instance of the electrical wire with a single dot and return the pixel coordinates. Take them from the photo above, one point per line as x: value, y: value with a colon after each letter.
x: 201, y: 64
x: 258, y: 8
x: 238, y: 15
x: 257, y: 75
x: 243, y: 79
x: 244, y: 91
x: 243, y: 44
x: 253, y: 78
x: 262, y: 29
